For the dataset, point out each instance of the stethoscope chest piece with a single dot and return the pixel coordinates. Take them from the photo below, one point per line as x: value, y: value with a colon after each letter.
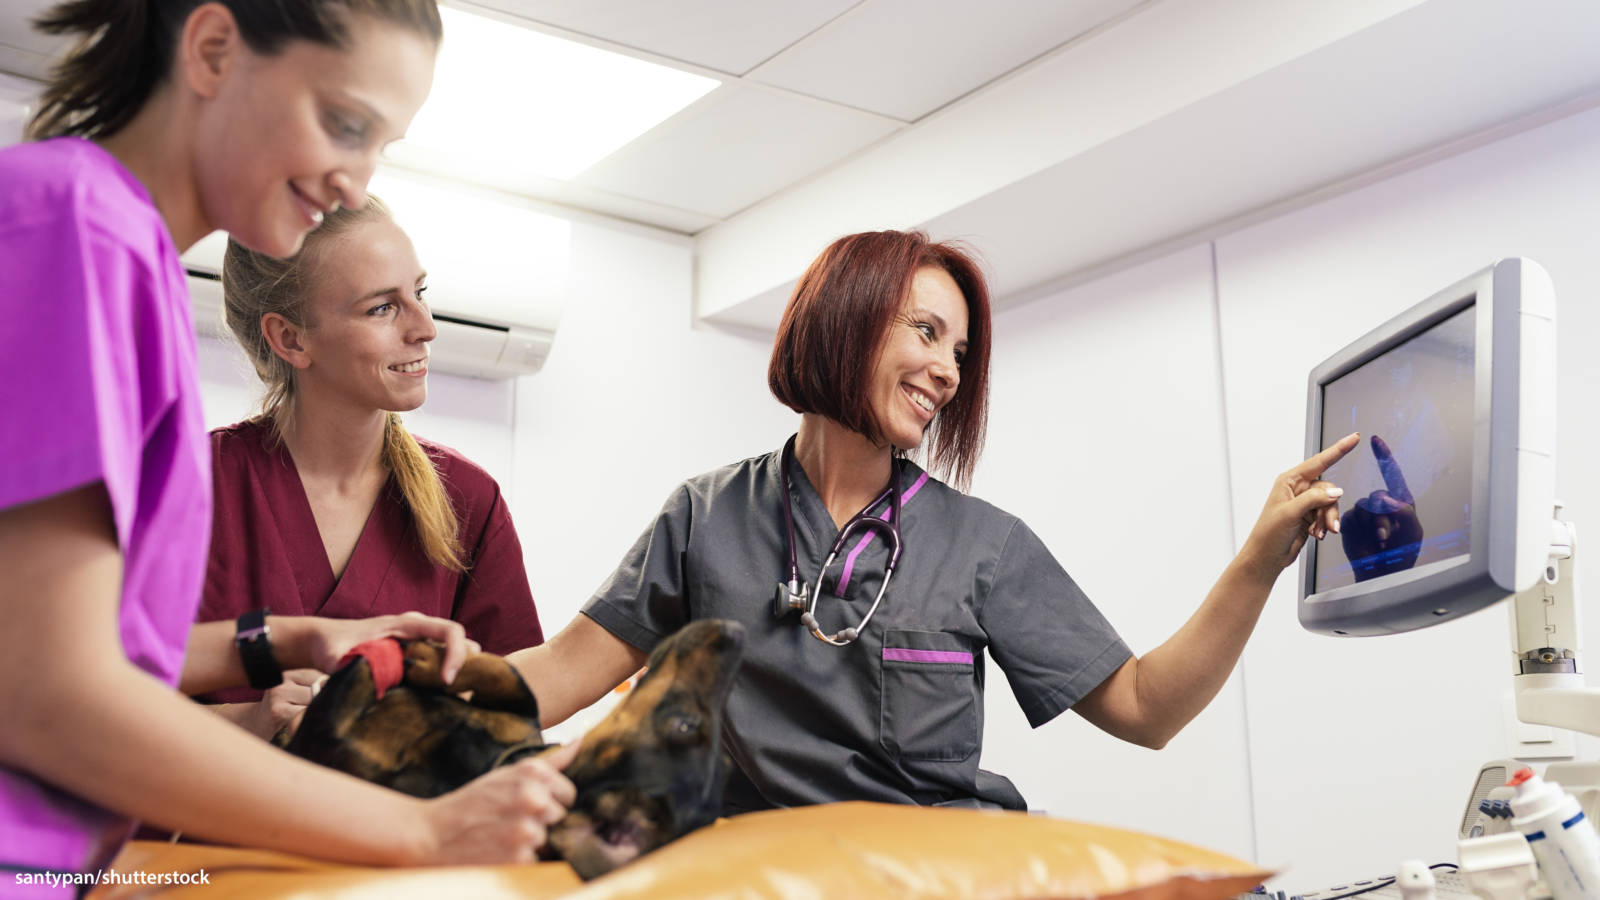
x: 791, y: 597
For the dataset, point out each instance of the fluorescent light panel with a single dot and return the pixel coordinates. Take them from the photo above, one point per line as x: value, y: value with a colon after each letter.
x: 487, y: 257
x: 514, y: 100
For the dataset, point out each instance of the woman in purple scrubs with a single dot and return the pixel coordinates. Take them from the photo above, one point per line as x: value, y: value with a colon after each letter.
x: 169, y: 120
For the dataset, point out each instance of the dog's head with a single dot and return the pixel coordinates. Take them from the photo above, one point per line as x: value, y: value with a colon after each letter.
x: 654, y: 768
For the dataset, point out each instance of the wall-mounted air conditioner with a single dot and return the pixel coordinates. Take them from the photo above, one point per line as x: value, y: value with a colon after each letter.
x: 497, y: 272
x: 14, y: 113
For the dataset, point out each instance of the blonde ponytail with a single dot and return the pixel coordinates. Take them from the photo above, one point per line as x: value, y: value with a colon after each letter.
x: 437, y: 526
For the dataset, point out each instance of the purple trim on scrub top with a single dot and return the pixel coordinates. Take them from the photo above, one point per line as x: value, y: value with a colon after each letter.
x: 850, y: 559
x: 902, y: 654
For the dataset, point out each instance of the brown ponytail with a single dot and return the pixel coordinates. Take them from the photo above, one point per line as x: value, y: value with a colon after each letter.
x: 124, y: 52
x: 253, y: 285
x: 125, y: 49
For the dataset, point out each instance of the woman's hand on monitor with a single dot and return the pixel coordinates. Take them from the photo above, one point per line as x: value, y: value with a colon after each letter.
x: 1300, y: 505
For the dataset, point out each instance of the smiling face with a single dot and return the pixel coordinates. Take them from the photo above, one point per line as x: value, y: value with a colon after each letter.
x: 289, y: 136
x: 919, y: 368
x: 367, y: 326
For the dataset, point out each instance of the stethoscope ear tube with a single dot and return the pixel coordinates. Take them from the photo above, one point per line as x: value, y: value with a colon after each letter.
x: 797, y: 594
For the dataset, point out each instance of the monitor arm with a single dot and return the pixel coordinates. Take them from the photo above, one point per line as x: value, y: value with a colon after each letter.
x: 1546, y: 643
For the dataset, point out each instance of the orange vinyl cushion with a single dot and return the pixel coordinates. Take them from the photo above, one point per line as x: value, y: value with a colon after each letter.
x: 868, y: 850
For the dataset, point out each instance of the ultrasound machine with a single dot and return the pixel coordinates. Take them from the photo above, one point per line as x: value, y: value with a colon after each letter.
x: 1450, y: 507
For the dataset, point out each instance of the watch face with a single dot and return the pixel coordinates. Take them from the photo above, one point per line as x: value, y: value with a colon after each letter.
x: 251, y: 625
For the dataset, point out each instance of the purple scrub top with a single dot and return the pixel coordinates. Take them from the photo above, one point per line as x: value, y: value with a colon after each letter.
x: 98, y: 384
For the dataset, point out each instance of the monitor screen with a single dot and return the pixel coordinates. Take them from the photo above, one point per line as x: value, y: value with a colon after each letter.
x: 1449, y: 493
x: 1408, y: 484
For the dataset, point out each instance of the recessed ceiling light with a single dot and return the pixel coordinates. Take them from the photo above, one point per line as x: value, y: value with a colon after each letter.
x: 516, y: 101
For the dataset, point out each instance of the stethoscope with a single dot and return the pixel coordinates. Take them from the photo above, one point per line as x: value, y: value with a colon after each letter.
x: 797, y: 594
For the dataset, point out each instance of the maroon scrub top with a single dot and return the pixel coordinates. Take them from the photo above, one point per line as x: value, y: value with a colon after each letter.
x: 266, y: 550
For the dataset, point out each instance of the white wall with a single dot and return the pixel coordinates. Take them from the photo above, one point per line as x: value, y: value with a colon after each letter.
x: 1143, y: 457
x: 1106, y: 438
x: 1363, y: 749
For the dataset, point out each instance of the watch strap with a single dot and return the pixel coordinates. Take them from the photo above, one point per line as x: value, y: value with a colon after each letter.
x: 255, y: 650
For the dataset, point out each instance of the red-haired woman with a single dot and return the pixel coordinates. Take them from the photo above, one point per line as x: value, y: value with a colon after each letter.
x: 865, y: 682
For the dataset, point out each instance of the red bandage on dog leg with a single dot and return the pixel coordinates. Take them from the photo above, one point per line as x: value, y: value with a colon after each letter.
x: 386, y: 660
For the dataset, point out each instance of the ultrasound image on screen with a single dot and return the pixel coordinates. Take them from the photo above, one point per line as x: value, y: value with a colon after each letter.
x: 1408, y: 484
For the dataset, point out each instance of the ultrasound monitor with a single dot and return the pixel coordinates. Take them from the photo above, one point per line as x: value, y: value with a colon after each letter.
x: 1449, y: 495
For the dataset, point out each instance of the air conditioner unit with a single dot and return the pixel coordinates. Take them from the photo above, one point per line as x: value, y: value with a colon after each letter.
x: 467, y: 344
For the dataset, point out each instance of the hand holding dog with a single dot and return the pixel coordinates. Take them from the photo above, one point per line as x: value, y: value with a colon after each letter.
x: 281, y: 707
x: 504, y: 816
x: 326, y: 641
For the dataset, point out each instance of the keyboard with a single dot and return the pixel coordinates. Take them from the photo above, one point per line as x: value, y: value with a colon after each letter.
x: 1448, y: 885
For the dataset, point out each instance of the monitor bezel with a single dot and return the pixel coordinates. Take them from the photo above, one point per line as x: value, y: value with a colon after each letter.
x: 1405, y: 601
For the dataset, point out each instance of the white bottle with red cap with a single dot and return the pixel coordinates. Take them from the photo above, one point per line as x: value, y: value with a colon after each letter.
x: 1563, y: 840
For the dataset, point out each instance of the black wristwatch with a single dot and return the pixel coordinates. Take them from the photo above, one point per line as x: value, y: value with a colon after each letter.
x: 255, y: 650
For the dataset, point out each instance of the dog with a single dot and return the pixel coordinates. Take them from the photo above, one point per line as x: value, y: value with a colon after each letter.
x: 650, y: 772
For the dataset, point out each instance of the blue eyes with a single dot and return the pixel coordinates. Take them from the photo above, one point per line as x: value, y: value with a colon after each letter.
x: 383, y: 309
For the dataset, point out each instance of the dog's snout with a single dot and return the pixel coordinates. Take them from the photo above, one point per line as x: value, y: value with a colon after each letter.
x: 722, y: 637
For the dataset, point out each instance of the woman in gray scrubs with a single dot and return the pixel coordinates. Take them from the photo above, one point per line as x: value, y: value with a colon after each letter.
x: 884, y: 346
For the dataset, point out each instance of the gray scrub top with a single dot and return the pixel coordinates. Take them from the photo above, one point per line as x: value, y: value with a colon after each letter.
x: 897, y: 716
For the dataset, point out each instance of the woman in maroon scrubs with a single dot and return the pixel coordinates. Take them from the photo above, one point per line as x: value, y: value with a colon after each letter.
x: 325, y: 504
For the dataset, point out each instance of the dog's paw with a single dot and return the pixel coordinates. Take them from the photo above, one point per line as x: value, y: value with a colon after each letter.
x: 424, y: 664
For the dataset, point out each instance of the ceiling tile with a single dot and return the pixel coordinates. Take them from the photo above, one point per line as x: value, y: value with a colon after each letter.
x: 731, y: 36
x: 733, y: 148
x: 16, y: 26
x: 23, y: 49
x: 907, y: 58
x: 577, y: 198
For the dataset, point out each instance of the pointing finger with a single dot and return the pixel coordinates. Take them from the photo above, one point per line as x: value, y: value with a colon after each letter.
x: 1312, y: 469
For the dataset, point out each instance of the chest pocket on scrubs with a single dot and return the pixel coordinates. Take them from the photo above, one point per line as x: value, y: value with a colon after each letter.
x: 929, y: 706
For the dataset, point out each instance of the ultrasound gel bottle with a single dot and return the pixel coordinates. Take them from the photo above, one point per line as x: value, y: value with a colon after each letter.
x: 1563, y: 840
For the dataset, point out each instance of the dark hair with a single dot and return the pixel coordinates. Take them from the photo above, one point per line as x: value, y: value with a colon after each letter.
x: 126, y: 47
x: 836, y: 324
